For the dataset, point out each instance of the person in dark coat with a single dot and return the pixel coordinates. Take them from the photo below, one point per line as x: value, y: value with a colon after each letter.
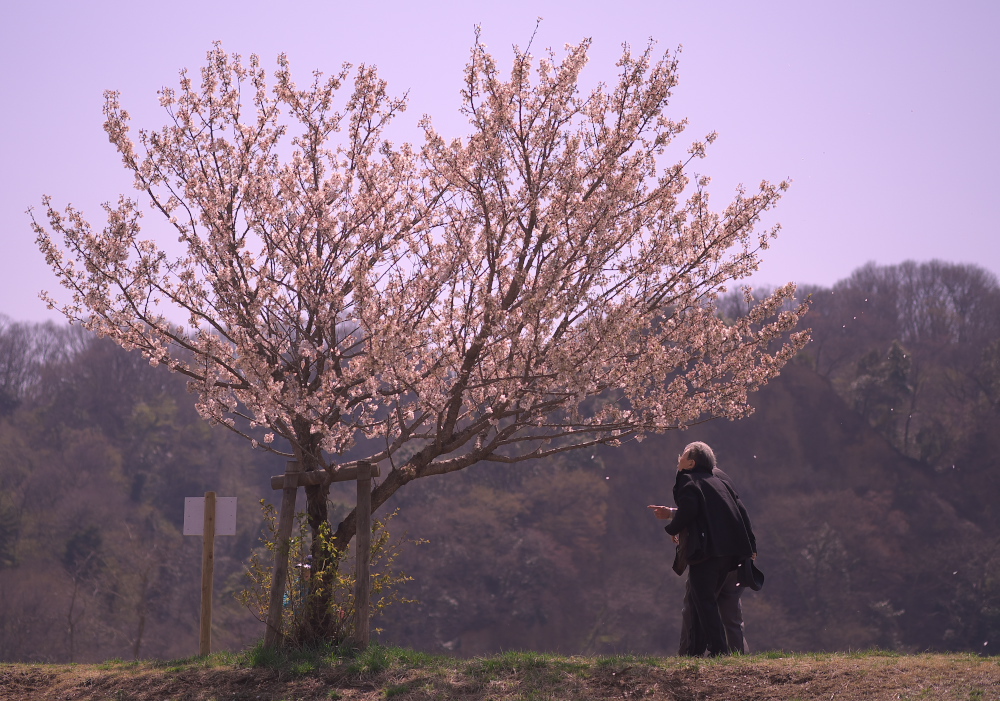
x: 716, y: 536
x: 692, y: 643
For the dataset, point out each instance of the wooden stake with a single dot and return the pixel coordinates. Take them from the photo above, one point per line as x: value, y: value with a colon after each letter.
x: 362, y: 585
x: 286, y: 517
x: 207, y: 573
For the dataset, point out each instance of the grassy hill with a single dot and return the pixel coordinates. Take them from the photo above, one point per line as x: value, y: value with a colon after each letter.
x: 394, y: 673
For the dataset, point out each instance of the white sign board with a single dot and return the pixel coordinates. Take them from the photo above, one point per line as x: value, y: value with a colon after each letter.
x: 194, y: 516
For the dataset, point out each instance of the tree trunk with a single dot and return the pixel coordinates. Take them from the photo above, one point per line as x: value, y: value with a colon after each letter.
x: 70, y: 623
x: 318, y: 624
x: 141, y: 610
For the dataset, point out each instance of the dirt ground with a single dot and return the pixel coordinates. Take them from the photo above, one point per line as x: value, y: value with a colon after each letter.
x: 840, y: 677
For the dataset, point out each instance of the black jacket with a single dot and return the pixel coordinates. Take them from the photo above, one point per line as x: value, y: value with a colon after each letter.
x: 707, y: 502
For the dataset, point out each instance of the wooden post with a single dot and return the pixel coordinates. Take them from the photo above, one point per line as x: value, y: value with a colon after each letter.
x: 207, y: 573
x: 286, y: 517
x: 362, y: 555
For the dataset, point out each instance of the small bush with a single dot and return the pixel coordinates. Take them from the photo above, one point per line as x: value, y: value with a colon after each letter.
x: 303, y: 582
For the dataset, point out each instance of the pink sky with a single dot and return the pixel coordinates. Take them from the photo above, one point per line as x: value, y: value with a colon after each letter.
x: 883, y: 112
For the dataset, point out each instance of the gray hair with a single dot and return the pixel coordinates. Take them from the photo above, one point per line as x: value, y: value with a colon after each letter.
x: 702, y: 454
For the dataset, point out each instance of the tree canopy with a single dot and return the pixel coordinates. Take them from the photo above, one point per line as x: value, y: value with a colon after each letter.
x: 546, y: 282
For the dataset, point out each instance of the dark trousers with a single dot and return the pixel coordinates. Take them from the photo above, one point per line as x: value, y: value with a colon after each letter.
x: 712, y: 617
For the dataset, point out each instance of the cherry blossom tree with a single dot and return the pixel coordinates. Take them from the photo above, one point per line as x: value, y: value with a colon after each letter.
x: 545, y: 283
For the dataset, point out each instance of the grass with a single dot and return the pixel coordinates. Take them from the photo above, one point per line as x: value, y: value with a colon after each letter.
x: 405, y: 675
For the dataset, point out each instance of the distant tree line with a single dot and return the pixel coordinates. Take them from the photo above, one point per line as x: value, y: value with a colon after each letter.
x: 870, y: 468
x: 97, y: 452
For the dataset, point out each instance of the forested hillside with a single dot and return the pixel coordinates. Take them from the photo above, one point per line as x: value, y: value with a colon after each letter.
x: 870, y: 469
x: 97, y: 452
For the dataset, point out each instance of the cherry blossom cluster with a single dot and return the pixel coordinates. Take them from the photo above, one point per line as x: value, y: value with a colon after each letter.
x: 545, y: 282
